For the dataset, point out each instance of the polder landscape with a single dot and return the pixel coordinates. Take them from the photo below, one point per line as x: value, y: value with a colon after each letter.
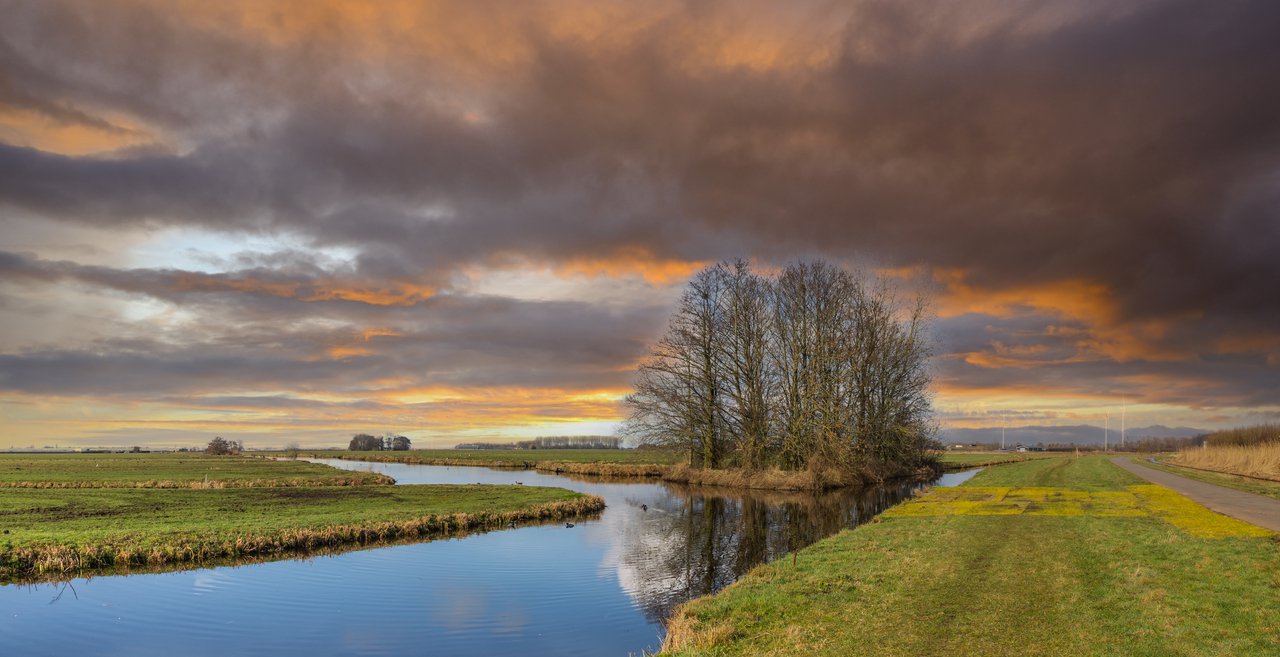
x: 577, y: 328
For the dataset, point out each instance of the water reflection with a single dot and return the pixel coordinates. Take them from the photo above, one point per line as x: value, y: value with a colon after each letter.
x: 696, y: 541
x: 692, y: 540
x: 602, y: 588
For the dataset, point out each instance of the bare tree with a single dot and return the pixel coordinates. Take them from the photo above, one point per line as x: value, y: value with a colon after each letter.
x: 749, y: 382
x: 363, y: 442
x: 678, y: 399
x: 815, y: 368
x: 220, y: 446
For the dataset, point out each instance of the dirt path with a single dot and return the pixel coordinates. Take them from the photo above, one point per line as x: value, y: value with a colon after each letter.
x: 1253, y: 509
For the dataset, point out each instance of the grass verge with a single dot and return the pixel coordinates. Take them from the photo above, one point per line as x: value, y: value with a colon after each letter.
x: 49, y: 533
x: 1081, y: 581
x: 1246, y: 484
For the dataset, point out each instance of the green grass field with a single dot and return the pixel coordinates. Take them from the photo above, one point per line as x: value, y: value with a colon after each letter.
x: 1247, y: 484
x: 509, y: 457
x: 965, y: 460
x: 103, y: 511
x: 1058, y: 557
x: 168, y: 471
x: 148, y: 516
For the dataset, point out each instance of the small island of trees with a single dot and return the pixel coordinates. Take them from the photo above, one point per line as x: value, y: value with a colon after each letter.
x: 812, y: 368
x: 363, y: 442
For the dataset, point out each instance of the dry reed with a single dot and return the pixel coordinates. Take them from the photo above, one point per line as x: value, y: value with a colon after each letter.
x: 1260, y: 461
x: 605, y: 469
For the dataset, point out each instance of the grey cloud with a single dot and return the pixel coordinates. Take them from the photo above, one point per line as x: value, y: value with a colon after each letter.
x: 1136, y: 145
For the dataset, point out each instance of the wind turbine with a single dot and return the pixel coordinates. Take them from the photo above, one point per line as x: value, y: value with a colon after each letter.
x: 1106, y: 431
x: 1123, y: 403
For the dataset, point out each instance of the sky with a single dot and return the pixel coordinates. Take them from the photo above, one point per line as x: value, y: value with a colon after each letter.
x: 294, y: 221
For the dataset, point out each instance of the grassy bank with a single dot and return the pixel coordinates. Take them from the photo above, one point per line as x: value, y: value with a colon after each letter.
x: 667, y: 465
x: 1246, y: 484
x: 1051, y: 557
x: 58, y: 531
x: 169, y: 471
x: 62, y: 514
x: 603, y: 462
x: 966, y: 460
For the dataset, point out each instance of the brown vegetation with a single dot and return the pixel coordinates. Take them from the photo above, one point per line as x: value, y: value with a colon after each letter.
x: 1261, y: 461
x: 604, y: 469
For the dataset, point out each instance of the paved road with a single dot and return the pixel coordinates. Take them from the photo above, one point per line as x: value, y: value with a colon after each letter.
x: 1253, y: 509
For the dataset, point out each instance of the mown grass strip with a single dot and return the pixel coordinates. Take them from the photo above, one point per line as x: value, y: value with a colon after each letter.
x: 67, y: 531
x: 1135, y: 501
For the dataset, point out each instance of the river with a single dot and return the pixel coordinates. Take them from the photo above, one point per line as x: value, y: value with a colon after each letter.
x: 602, y: 587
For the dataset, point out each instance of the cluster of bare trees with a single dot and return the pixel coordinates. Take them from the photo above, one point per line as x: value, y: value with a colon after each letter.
x: 220, y: 446
x: 363, y: 442
x: 812, y: 367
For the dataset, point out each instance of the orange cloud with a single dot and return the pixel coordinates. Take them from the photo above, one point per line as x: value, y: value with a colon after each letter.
x: 71, y: 132
x: 631, y: 262
x: 1105, y: 334
x: 382, y: 294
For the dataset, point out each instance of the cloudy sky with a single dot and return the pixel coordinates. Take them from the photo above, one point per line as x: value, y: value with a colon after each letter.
x: 296, y: 220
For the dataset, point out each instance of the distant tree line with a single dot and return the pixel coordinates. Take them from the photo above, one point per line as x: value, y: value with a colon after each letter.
x: 1255, y: 435
x: 363, y: 442
x: 552, y: 442
x: 220, y: 446
x: 1148, y: 444
x: 812, y: 367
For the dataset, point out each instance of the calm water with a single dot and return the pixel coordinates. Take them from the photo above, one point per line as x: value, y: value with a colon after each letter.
x: 603, y: 587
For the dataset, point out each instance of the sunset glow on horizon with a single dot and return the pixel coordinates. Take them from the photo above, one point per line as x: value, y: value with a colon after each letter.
x: 291, y: 222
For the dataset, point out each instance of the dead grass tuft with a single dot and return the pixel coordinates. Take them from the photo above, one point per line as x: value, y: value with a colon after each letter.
x: 1260, y: 461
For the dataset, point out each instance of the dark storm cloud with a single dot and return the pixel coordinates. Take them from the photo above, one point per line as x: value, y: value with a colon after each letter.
x: 253, y: 326
x: 1136, y: 146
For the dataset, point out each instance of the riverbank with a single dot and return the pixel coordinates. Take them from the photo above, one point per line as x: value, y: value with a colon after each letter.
x: 602, y: 462
x: 67, y: 518
x: 955, y: 461
x: 1061, y: 556
x: 664, y: 465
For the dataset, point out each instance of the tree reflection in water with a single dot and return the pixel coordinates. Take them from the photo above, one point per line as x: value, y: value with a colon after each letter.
x: 697, y: 540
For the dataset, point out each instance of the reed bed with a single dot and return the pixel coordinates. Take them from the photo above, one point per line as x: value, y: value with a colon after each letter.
x: 605, y: 469
x: 53, y: 559
x: 1259, y: 461
x: 771, y: 479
